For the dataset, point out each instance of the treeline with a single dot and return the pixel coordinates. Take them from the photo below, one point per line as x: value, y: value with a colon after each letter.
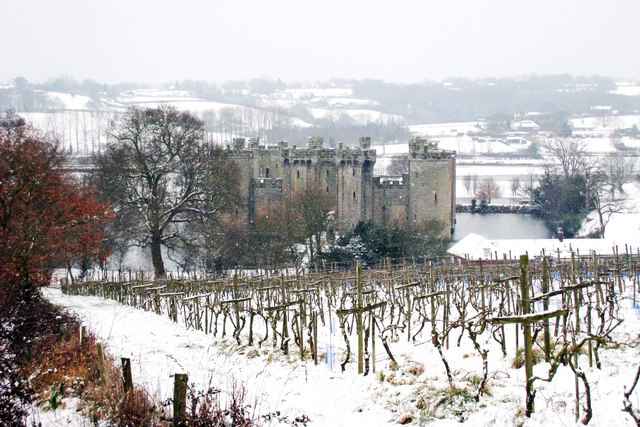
x: 457, y: 99
x: 25, y: 96
x: 465, y: 100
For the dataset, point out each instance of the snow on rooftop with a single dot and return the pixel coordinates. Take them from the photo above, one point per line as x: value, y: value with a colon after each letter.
x: 525, y: 124
x: 474, y: 246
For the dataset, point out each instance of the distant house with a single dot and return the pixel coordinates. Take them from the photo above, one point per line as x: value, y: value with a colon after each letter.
x: 476, y: 247
x: 516, y: 137
x: 528, y: 126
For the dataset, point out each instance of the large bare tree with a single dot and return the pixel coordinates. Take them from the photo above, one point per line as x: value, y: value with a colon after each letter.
x: 161, y: 175
x: 568, y: 154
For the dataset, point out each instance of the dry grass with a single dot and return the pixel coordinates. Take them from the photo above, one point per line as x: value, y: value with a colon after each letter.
x: 56, y: 366
x: 59, y: 361
x: 62, y: 367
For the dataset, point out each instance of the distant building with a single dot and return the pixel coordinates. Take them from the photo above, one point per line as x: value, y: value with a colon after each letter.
x: 427, y: 191
x: 528, y: 126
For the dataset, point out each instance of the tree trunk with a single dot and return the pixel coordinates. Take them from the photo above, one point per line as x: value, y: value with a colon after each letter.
x: 600, y: 217
x: 156, y: 256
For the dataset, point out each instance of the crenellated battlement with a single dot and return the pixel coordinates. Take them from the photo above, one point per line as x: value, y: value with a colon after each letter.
x: 421, y: 148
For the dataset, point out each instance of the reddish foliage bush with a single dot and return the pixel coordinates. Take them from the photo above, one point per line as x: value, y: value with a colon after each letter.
x: 45, y: 219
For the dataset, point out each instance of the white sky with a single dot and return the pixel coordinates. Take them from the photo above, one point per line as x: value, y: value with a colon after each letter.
x: 216, y: 40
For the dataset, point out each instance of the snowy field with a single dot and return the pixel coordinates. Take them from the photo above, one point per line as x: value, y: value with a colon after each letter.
x: 159, y: 348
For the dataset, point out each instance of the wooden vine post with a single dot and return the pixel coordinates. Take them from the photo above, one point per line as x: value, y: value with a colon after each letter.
x: 100, y: 353
x: 526, y: 319
x: 359, y: 320
x: 545, y: 307
x: 126, y: 374
x: 179, y: 398
x: 358, y: 311
x: 285, y: 330
x: 526, y: 309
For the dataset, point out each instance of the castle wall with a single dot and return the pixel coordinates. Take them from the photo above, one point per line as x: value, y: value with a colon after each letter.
x: 264, y: 193
x: 346, y: 176
x: 389, y: 202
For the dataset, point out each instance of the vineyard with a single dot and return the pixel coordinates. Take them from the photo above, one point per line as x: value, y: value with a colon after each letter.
x: 554, y: 318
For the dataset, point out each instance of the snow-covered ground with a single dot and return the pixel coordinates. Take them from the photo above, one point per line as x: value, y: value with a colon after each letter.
x: 623, y: 225
x: 359, y: 116
x: 448, y: 129
x: 627, y: 88
x: 159, y: 348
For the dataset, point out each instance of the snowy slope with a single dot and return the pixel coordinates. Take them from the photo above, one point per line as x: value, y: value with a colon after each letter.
x: 158, y: 348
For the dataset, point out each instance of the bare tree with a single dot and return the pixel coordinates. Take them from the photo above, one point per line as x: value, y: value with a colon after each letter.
x: 515, y: 185
x: 466, y: 181
x: 160, y: 175
x: 568, y: 154
x: 488, y: 189
x: 528, y: 186
x: 619, y: 170
x: 313, y: 209
x: 605, y: 187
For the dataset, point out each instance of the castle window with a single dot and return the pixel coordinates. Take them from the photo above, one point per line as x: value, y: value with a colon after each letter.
x: 353, y: 171
x: 416, y: 174
x: 384, y: 208
x: 354, y: 195
x: 327, y: 190
x: 435, y: 198
x: 415, y: 217
x: 327, y: 173
x: 298, y: 174
x: 277, y: 165
x: 266, y: 172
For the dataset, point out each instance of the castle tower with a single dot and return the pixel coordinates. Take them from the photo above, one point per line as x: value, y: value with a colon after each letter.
x: 431, y: 184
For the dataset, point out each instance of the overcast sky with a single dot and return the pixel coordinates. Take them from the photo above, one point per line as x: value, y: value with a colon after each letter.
x: 163, y: 41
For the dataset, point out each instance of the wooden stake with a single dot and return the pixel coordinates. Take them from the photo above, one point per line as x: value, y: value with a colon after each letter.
x: 359, y: 321
x: 545, y: 307
x: 373, y: 344
x: 126, y: 374
x: 100, y: 359
x: 179, y: 398
x: 528, y: 356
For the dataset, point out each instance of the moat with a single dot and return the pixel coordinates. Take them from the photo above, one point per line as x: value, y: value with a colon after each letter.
x: 500, y: 226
